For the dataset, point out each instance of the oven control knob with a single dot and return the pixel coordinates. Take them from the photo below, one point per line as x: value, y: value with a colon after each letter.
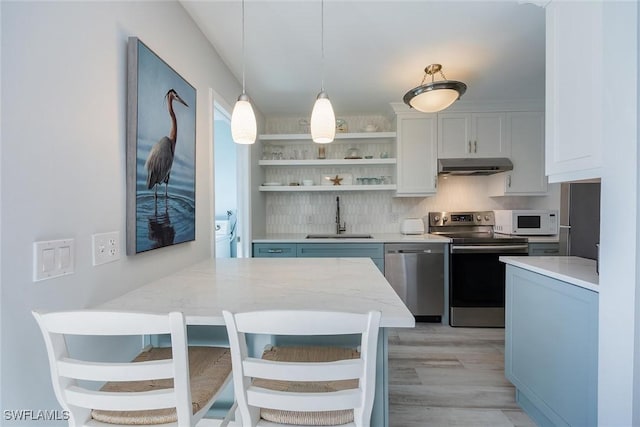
x: 436, y: 218
x: 444, y: 219
x: 486, y: 218
x: 479, y: 218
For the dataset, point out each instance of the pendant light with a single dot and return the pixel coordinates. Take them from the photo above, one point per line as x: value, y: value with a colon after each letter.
x: 243, y: 119
x: 435, y: 95
x: 323, y: 119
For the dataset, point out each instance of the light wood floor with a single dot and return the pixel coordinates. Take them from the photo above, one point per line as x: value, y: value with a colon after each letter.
x: 443, y: 377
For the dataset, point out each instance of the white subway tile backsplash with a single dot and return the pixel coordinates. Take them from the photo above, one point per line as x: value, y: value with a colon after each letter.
x: 380, y: 212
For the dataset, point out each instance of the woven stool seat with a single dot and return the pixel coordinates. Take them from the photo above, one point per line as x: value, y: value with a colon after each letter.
x: 209, y: 369
x: 308, y: 354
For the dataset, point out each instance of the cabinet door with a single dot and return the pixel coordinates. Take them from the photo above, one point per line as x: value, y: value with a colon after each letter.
x: 489, y: 135
x: 526, y: 133
x: 343, y: 250
x: 462, y: 135
x: 454, y: 135
x: 416, y: 155
x: 574, y: 62
x: 551, y: 348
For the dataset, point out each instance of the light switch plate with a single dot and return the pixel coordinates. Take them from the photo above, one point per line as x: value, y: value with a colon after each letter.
x: 53, y: 258
x: 106, y: 247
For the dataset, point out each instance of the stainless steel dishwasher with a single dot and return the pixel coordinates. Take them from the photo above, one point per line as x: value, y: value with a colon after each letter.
x: 416, y: 273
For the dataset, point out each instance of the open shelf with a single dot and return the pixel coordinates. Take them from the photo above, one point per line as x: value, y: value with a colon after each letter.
x: 328, y: 187
x: 339, y: 136
x: 327, y: 162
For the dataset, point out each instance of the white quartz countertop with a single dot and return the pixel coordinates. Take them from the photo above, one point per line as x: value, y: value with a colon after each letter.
x: 376, y: 238
x: 574, y: 270
x: 203, y: 290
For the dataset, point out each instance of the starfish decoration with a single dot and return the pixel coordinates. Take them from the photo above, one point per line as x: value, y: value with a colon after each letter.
x: 336, y: 180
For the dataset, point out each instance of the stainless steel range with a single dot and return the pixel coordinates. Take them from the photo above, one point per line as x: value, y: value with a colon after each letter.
x: 476, y: 276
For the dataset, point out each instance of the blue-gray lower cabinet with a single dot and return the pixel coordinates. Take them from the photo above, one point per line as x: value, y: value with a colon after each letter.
x: 270, y: 250
x: 322, y: 250
x: 544, y: 249
x: 343, y: 250
x: 551, y: 348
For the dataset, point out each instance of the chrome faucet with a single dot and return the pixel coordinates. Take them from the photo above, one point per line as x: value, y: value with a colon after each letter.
x: 343, y: 227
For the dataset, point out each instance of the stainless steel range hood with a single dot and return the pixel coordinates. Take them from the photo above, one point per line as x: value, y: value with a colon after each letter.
x: 474, y: 166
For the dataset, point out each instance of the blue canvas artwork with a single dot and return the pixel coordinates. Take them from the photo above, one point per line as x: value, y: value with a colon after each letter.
x: 161, y: 131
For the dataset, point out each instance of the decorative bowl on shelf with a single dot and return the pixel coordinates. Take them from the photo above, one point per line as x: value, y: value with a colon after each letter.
x: 353, y: 153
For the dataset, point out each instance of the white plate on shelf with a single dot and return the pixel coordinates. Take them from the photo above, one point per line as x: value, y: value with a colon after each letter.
x: 271, y: 184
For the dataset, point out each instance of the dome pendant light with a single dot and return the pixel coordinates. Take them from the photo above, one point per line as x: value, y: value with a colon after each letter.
x: 323, y: 119
x: 243, y: 119
x: 434, y: 96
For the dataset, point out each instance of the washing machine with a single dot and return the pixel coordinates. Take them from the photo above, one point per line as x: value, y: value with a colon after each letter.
x: 223, y: 239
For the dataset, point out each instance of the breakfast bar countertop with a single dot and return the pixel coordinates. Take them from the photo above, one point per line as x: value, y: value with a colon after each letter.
x: 203, y: 290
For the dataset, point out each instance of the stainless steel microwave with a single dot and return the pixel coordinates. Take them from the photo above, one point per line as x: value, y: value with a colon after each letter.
x: 526, y: 222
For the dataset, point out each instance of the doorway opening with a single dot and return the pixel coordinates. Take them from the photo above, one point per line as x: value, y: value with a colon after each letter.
x: 226, y: 185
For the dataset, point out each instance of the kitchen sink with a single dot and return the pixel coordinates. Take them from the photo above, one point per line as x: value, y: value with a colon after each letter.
x: 339, y: 236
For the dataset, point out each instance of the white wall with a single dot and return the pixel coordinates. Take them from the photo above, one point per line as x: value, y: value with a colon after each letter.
x: 636, y: 359
x: 618, y: 377
x: 63, y: 160
x: 1, y: 127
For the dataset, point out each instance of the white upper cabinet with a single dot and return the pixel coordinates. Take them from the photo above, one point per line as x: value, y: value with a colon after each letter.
x: 416, y: 154
x: 574, y: 90
x: 462, y: 135
x: 526, y: 133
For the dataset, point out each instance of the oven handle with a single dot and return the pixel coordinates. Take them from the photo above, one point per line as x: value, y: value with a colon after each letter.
x: 412, y: 251
x: 489, y: 248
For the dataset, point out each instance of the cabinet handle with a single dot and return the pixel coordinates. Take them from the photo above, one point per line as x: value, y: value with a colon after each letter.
x: 509, y: 181
x: 469, y: 149
x: 435, y: 181
x: 274, y: 251
x: 475, y: 146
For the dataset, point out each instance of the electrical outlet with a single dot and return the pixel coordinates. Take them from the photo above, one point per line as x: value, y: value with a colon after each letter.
x: 106, y: 247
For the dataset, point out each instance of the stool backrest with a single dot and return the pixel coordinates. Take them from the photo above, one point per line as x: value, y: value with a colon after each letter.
x: 250, y: 398
x: 66, y: 372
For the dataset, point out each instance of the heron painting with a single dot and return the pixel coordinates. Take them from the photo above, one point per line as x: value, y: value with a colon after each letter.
x: 160, y: 153
x: 160, y: 158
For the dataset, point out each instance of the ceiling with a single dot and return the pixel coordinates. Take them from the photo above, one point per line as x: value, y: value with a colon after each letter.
x: 375, y: 51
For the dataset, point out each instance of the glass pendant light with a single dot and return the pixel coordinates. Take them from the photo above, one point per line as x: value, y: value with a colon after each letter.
x: 323, y: 119
x: 243, y: 119
x: 435, y: 95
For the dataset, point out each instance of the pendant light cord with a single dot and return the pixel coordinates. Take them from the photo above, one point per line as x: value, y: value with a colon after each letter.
x: 243, y: 55
x: 322, y: 43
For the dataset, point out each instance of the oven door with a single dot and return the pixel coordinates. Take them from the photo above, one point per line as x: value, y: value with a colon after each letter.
x: 477, y: 283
